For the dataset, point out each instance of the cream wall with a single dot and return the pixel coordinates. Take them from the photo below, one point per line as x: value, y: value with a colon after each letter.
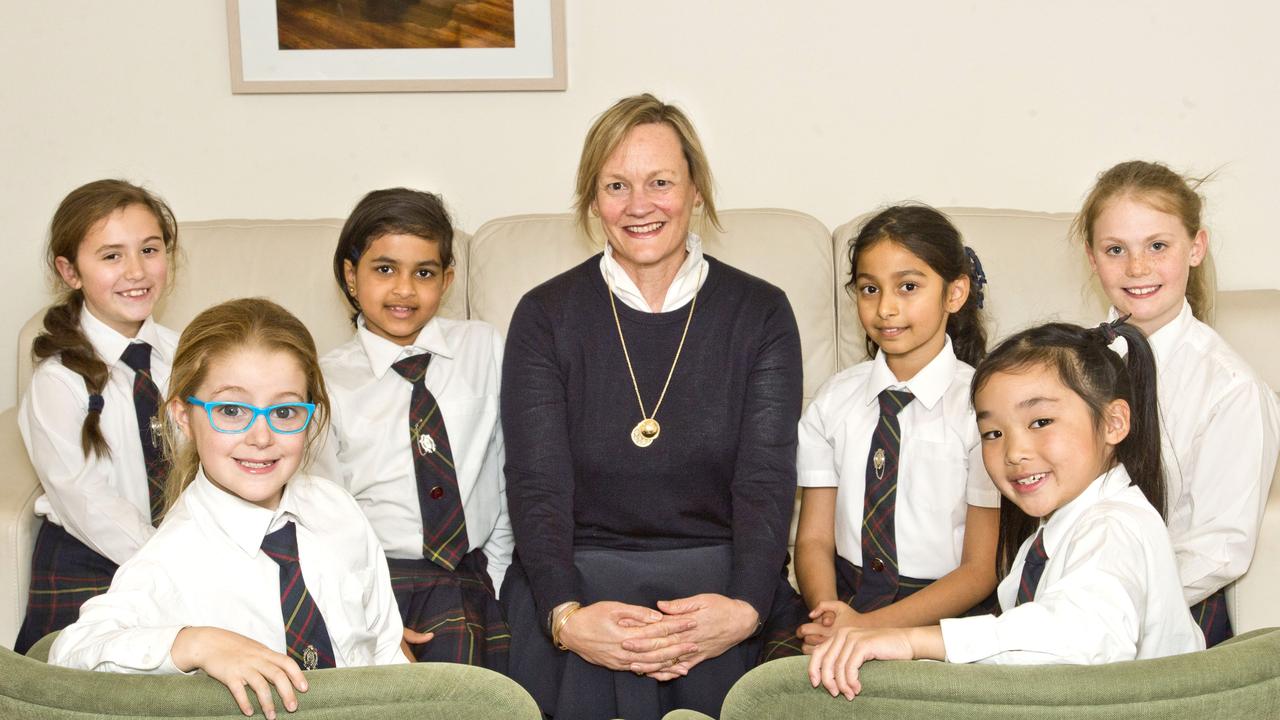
x: 833, y: 110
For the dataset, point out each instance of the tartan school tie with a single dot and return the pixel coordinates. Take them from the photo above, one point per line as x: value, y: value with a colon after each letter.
x: 879, y: 584
x: 444, y: 527
x: 305, y: 634
x: 146, y: 405
x: 1032, y: 568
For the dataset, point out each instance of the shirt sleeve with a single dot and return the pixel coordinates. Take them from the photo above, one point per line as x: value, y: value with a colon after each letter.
x: 78, y: 488
x: 501, y: 543
x: 381, y: 611
x: 1228, y: 478
x: 815, y: 453
x: 764, y: 483
x: 539, y: 463
x: 126, y: 629
x: 1088, y: 614
x: 980, y: 490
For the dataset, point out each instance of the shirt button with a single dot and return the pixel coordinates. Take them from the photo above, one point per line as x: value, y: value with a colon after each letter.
x: 877, y: 564
x: 437, y: 492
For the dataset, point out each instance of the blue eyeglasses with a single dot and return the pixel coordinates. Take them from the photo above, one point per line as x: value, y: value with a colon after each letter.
x: 237, y: 417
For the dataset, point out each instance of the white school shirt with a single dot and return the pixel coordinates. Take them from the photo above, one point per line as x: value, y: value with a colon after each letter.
x: 369, y: 452
x: 205, y: 567
x: 1220, y: 434
x: 102, y: 501
x: 1109, y: 590
x: 686, y: 283
x: 940, y: 470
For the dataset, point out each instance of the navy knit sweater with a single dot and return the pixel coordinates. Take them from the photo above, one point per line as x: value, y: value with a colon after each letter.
x: 722, y: 471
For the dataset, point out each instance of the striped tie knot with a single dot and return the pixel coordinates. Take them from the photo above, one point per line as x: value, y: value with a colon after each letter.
x: 1032, y: 569
x: 893, y: 401
x: 138, y: 357
x: 413, y: 368
x: 282, y: 545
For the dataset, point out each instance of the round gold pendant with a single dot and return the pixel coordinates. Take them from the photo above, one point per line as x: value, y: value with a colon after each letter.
x: 645, y: 432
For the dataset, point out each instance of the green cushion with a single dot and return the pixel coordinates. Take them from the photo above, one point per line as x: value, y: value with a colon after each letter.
x: 1238, y: 679
x: 30, y: 689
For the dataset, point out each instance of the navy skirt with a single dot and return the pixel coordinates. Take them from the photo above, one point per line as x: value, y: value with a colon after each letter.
x: 567, y: 687
x: 1211, y: 615
x: 459, y: 607
x: 64, y: 574
x: 848, y: 576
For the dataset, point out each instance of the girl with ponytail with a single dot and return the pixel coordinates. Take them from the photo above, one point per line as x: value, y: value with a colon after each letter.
x: 898, y: 518
x: 1071, y: 437
x: 89, y: 417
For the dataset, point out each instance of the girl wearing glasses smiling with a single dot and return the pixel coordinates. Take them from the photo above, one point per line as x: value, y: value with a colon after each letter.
x: 258, y: 569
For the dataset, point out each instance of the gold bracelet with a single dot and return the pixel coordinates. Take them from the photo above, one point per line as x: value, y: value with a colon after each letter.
x: 555, y: 629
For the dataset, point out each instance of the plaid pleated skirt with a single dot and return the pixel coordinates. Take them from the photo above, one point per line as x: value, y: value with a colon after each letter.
x: 64, y: 574
x: 567, y: 687
x: 459, y: 607
x: 849, y: 575
x: 1211, y: 615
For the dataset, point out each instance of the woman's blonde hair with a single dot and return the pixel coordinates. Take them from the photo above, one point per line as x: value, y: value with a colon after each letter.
x: 213, y: 334
x: 611, y: 128
x: 1165, y: 190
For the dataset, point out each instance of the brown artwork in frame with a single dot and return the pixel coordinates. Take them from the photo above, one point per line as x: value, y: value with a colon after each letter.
x: 283, y: 46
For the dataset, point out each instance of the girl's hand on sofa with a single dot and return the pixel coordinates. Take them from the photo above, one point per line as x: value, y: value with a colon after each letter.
x: 835, y: 663
x: 413, y: 637
x: 236, y: 661
x: 828, y: 616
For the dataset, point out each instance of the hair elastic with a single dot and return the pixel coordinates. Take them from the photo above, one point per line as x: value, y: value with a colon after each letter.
x: 95, y: 404
x: 1108, y: 329
x: 979, y: 275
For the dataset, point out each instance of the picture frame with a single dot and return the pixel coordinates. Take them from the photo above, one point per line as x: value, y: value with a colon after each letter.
x: 307, y: 46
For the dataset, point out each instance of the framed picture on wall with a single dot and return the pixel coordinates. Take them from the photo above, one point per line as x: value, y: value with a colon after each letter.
x: 320, y: 46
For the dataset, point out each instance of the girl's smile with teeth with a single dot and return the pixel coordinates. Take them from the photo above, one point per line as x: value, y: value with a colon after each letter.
x: 1142, y: 291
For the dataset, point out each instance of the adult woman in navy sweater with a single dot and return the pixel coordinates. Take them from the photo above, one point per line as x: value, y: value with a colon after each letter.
x: 650, y: 400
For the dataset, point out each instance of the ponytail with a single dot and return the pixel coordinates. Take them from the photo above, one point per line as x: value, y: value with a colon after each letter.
x: 62, y: 336
x: 1086, y: 364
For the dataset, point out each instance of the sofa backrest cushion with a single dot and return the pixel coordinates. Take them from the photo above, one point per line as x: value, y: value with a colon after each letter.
x: 510, y: 256
x: 288, y: 261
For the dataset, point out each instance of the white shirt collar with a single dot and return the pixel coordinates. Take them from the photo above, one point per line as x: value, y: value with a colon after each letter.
x: 928, y: 386
x: 688, y: 279
x: 242, y: 521
x: 383, y: 353
x: 110, y: 344
x: 1164, y: 340
x: 1060, y: 522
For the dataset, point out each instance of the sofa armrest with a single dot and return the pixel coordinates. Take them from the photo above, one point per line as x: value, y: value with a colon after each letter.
x: 19, y: 488
x: 32, y: 689
x: 1238, y: 679
x: 1252, y: 599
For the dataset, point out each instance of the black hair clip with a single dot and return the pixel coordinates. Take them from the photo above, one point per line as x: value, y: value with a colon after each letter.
x: 95, y: 404
x: 979, y: 276
x: 1108, y: 329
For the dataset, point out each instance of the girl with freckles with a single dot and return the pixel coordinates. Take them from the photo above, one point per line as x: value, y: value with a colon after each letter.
x: 1143, y: 236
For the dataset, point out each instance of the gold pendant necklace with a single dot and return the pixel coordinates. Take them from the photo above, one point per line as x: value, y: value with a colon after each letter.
x: 648, y: 429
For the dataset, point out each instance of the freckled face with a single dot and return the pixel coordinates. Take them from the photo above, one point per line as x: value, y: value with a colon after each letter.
x: 1143, y: 258
x: 1040, y: 443
x: 645, y: 199
x: 256, y: 464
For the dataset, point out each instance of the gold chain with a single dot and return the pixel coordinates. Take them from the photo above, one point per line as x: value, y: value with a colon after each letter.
x: 618, y: 323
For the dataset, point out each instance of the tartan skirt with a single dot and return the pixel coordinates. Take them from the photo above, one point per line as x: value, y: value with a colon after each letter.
x: 849, y: 575
x: 567, y: 687
x: 459, y: 607
x: 1211, y: 615
x: 64, y: 574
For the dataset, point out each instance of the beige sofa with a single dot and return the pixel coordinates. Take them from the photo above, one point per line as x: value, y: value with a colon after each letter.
x: 1035, y: 272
